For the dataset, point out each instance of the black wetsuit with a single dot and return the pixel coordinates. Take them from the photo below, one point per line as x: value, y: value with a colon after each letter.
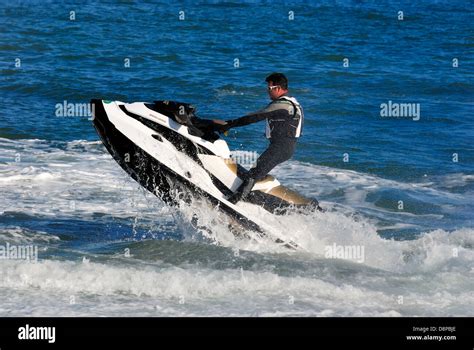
x: 278, y: 151
x: 284, y: 123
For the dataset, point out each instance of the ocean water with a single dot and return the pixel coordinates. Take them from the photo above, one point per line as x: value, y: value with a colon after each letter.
x: 400, y: 188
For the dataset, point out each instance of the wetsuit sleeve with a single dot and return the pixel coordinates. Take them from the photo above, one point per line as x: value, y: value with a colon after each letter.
x: 273, y: 110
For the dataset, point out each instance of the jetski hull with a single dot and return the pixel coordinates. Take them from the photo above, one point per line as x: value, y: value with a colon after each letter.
x: 150, y: 173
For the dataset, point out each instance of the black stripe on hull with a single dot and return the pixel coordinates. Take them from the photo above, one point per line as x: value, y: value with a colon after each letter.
x: 150, y: 173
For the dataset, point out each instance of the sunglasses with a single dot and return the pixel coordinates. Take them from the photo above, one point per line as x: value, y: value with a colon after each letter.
x: 270, y: 88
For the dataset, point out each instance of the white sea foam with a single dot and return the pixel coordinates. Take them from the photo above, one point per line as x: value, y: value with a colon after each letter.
x: 202, y: 291
x: 433, y: 273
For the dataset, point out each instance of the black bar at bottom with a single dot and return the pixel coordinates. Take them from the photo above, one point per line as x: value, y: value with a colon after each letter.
x: 448, y: 333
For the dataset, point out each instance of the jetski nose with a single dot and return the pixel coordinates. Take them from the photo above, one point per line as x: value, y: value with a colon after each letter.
x: 98, y: 111
x: 100, y: 119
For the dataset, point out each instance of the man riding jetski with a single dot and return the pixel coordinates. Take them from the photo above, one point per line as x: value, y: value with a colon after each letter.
x: 284, y: 122
x: 178, y: 156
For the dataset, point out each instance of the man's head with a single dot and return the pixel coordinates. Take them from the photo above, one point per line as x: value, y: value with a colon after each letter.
x: 277, y: 85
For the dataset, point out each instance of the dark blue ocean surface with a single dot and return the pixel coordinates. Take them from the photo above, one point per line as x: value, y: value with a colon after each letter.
x: 344, y: 59
x: 408, y: 61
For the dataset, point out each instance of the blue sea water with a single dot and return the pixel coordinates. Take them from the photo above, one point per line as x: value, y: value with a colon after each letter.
x: 113, y: 249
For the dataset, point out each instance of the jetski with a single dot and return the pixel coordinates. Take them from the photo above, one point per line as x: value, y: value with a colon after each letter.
x: 174, y: 154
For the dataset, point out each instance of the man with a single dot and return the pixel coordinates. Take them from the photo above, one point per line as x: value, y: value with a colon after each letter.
x: 284, y: 119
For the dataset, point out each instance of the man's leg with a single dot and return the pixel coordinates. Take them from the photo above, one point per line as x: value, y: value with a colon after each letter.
x: 275, y: 154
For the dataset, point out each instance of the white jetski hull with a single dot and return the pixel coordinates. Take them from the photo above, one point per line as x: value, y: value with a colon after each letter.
x: 166, y: 157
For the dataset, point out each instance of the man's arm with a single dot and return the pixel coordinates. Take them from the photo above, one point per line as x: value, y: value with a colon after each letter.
x: 249, y: 119
x: 273, y: 110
